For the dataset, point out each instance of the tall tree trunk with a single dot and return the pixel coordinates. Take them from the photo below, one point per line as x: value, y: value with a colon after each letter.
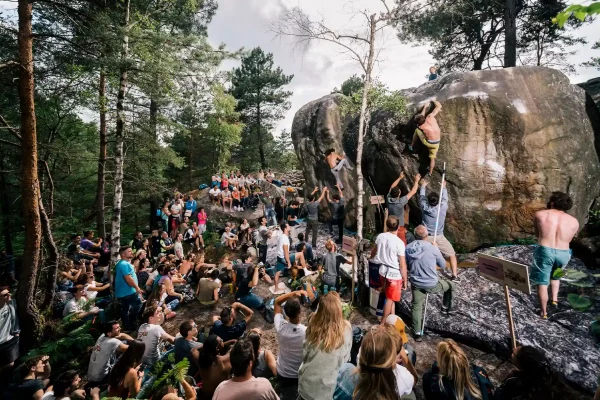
x: 100, y: 190
x: 190, y: 160
x: 510, y: 36
x: 5, y: 208
x: 361, y: 130
x: 119, y: 135
x: 26, y: 307
x: 154, y: 116
x: 53, y: 256
x: 261, y: 150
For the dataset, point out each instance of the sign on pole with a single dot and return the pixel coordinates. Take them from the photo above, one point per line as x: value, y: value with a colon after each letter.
x: 349, y: 245
x: 377, y: 200
x: 508, y: 274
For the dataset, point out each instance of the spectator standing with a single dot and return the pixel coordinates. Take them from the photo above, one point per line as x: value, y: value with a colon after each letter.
x: 338, y: 212
x: 430, y: 205
x: 389, y: 254
x: 186, y: 346
x: 331, y: 265
x: 127, y: 291
x: 269, y: 211
x: 285, y: 257
x: 326, y: 347
x: 175, y: 217
x: 452, y: 377
x: 190, y: 207
x: 125, y: 379
x: 423, y: 259
x: 224, y: 325
x: 243, y: 385
x: 155, y: 244
x: 9, y: 331
x: 165, y: 215
x: 202, y: 219
x: 308, y: 253
x: 290, y: 338
x: 312, y: 220
x: 264, y: 235
x: 138, y: 242
x: 104, y: 353
x: 396, y: 203
x: 151, y: 333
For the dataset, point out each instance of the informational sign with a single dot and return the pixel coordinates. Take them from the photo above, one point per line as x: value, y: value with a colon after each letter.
x: 349, y: 245
x: 377, y: 200
x: 505, y: 272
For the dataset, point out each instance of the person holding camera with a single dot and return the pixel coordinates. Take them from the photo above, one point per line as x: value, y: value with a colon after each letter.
x: 245, y: 285
x: 224, y: 325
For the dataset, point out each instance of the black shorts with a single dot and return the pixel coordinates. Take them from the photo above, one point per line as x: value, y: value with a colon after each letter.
x: 9, y: 351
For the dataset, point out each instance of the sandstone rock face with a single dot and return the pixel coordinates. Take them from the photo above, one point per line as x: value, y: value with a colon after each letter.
x: 509, y: 138
x: 482, y: 320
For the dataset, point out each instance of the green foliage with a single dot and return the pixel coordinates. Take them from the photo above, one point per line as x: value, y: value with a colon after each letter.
x: 283, y: 157
x: 258, y: 87
x: 578, y: 11
x: 168, y: 373
x: 379, y: 98
x: 351, y: 85
x: 579, y: 302
x: 347, y: 310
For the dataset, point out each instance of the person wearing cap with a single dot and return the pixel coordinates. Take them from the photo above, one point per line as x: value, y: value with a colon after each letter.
x: 9, y: 330
x: 400, y: 326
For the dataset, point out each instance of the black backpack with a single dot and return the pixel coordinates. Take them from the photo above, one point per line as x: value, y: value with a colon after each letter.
x: 357, y: 336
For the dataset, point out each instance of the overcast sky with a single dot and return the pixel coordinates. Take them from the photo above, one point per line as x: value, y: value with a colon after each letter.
x: 246, y: 23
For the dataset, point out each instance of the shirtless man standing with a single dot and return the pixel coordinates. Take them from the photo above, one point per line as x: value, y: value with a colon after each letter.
x: 428, y: 131
x: 336, y: 163
x: 555, y: 230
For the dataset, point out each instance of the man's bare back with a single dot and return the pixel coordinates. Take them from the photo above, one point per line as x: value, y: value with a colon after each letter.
x: 431, y: 129
x: 555, y: 228
x: 332, y: 159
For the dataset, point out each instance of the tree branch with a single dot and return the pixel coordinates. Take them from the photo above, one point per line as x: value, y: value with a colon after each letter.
x: 12, y: 130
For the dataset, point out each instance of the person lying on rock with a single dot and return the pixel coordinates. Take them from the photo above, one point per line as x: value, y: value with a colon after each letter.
x: 336, y: 163
x: 428, y: 132
x: 422, y: 258
x: 554, y: 229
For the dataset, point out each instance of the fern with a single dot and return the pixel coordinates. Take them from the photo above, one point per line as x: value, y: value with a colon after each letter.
x: 172, y: 376
x: 67, y: 348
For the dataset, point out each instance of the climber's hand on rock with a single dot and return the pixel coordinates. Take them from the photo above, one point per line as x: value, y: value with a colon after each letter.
x: 417, y: 177
x: 401, y: 174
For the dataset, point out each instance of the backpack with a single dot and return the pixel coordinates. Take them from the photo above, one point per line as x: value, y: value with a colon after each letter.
x: 203, y: 186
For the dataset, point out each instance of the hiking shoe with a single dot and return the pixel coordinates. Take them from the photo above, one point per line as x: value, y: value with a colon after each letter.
x: 418, y: 338
x: 455, y: 278
x: 448, y: 311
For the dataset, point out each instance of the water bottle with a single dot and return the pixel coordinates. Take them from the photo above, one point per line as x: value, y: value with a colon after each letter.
x: 325, y: 289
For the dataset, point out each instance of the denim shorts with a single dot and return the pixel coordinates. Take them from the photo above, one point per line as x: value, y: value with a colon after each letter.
x: 545, y: 261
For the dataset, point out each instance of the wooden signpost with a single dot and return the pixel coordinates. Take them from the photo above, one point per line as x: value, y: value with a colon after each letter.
x: 507, y: 273
x: 349, y: 245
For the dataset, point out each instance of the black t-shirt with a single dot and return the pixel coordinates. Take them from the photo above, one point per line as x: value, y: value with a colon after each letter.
x: 243, y: 288
x: 226, y: 333
x: 292, y: 212
x: 137, y: 244
x: 183, y: 349
x: 27, y: 388
x: 155, y: 245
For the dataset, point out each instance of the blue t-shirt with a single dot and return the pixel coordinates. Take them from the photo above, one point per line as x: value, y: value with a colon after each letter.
x: 191, y: 205
x: 122, y: 289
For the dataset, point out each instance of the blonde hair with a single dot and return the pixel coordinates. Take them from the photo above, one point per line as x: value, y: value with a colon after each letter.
x: 455, y: 366
x: 329, y: 245
x: 326, y: 326
x: 376, y: 366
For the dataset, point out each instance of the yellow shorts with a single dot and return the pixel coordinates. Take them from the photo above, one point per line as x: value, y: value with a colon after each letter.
x: 433, y: 147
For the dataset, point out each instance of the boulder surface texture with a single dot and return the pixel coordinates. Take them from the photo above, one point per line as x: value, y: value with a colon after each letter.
x: 482, y: 319
x: 510, y: 137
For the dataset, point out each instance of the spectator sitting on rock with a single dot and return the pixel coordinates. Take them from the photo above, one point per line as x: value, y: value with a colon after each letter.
x: 224, y: 325
x: 75, y: 306
x: 429, y: 207
x: 396, y: 203
x: 226, y: 198
x: 158, y: 298
x: 186, y: 346
x: 214, y: 195
x: 423, y: 258
x: 125, y: 379
x: 36, y: 377
x: 67, y: 386
x: 332, y: 261
x: 208, y: 288
x: 534, y: 378
x: 243, y: 385
x: 265, y: 364
x: 69, y: 274
x: 452, y: 377
x: 292, y: 213
x: 213, y: 367
x: 104, y: 353
x: 151, y: 334
x: 228, y: 239
x: 91, y: 288
x: 555, y: 230
x: 244, y: 293
x: 77, y: 254
x: 88, y: 244
x: 166, y: 244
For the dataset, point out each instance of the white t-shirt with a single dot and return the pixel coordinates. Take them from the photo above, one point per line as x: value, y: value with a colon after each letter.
x: 175, y: 209
x: 214, y: 191
x: 226, y: 236
x: 102, y: 358
x: 150, y: 334
x: 178, y: 250
x: 73, y: 306
x: 291, y: 339
x: 283, y: 241
x: 153, y: 275
x: 90, y: 294
x: 389, y: 248
x: 404, y: 380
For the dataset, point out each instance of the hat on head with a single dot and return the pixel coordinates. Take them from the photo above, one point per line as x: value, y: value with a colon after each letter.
x: 397, y: 323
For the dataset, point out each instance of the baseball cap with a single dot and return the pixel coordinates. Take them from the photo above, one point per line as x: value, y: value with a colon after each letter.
x: 397, y: 323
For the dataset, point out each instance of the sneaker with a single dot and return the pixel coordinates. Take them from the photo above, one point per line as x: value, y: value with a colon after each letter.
x: 241, y: 208
x: 455, y: 278
x: 418, y: 338
x: 447, y: 311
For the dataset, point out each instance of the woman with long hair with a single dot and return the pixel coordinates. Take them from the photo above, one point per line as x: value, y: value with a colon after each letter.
x: 534, y: 379
x: 452, y: 377
x: 125, y: 379
x: 378, y: 374
x: 326, y: 347
x: 165, y: 216
x: 213, y: 368
x: 157, y: 298
x: 266, y: 365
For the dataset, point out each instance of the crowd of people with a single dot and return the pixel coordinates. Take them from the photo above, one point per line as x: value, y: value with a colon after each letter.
x: 319, y: 354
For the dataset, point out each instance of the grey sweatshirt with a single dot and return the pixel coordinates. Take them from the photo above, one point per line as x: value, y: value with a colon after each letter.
x: 422, y: 257
x: 430, y: 213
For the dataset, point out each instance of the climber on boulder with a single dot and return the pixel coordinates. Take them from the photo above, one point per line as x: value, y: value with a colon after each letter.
x: 428, y: 131
x: 336, y: 163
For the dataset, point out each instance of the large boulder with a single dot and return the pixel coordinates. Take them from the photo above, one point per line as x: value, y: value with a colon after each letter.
x: 482, y: 320
x: 509, y: 138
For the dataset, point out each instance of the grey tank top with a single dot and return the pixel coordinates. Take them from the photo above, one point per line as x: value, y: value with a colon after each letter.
x: 261, y: 369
